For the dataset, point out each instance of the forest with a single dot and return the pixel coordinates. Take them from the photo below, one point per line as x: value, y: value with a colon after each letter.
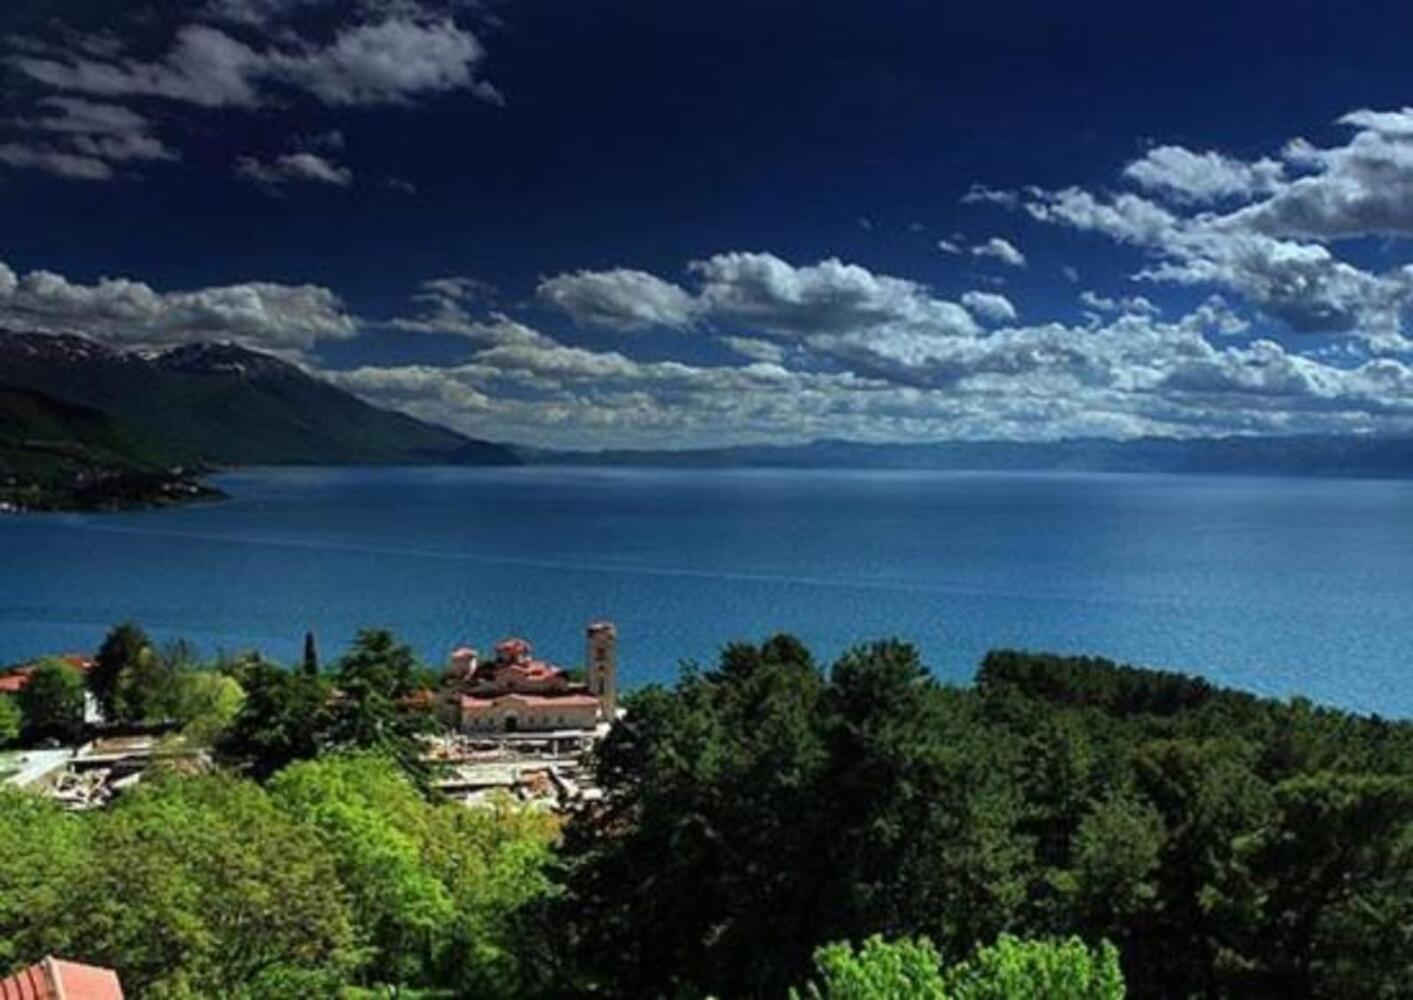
x: 770, y: 827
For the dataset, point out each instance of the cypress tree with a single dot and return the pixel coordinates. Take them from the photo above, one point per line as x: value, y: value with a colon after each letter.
x: 311, y: 655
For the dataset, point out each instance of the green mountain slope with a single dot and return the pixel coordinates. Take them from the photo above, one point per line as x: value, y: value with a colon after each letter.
x: 59, y: 456
x: 225, y: 405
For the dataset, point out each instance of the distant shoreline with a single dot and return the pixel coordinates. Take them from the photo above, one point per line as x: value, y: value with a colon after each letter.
x: 1322, y: 456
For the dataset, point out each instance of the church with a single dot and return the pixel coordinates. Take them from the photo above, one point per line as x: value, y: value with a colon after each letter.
x: 515, y: 692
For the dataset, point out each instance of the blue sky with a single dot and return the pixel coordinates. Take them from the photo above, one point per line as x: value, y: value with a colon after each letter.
x: 651, y: 224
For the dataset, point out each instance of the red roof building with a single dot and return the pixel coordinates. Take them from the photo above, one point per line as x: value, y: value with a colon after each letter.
x: 56, y: 979
x: 14, y: 681
x: 514, y: 692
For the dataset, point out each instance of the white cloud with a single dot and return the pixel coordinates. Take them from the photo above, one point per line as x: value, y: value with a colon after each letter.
x: 980, y: 194
x: 762, y: 291
x: 83, y: 140
x: 204, y: 66
x: 73, y: 114
x: 443, y: 303
x: 1362, y: 188
x: 294, y: 168
x: 132, y: 313
x: 1000, y: 249
x: 385, y: 63
x: 756, y: 349
x: 621, y: 299
x: 51, y: 160
x: 990, y: 306
x: 948, y: 246
x: 1126, y: 304
x: 1391, y: 123
x: 1131, y: 375
x: 880, y: 369
x: 1203, y: 177
x: 1302, y: 284
x: 390, y: 61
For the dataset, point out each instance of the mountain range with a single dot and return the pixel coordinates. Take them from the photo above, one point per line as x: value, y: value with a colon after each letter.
x: 84, y: 425
x: 80, y: 420
x: 1370, y: 456
x: 227, y: 405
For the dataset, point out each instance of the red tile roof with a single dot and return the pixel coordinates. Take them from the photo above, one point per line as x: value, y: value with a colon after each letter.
x: 56, y: 979
x: 13, y: 682
x: 513, y: 647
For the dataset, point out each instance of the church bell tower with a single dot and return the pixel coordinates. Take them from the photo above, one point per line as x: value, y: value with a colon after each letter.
x: 603, y: 667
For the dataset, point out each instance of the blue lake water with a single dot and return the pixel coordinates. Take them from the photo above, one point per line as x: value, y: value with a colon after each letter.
x: 1281, y: 586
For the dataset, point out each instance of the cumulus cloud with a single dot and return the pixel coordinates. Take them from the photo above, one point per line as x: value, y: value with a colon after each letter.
x: 385, y: 63
x: 882, y: 369
x: 765, y: 292
x: 1276, y: 247
x: 1203, y: 177
x: 1132, y: 374
x: 1273, y: 251
x: 1000, y: 249
x: 827, y: 306
x: 131, y: 313
x: 1125, y: 303
x: 293, y: 168
x: 1362, y: 188
x: 990, y: 306
x: 621, y: 299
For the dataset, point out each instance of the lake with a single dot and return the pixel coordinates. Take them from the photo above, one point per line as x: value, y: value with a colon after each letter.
x: 1281, y: 586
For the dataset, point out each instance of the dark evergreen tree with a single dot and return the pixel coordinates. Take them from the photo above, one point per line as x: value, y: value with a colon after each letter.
x: 311, y: 655
x: 121, y: 649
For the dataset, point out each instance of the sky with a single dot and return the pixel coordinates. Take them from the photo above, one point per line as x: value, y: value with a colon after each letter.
x: 645, y: 224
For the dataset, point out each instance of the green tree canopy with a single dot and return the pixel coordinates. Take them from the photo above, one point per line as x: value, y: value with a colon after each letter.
x: 207, y: 703
x: 877, y: 970
x: 1011, y: 969
x: 435, y: 886
x: 282, y: 718
x: 52, y: 701
x: 122, y: 647
x: 373, y: 705
x: 189, y: 887
x: 11, y: 720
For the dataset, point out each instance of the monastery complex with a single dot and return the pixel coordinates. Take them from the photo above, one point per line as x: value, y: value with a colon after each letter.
x: 515, y: 693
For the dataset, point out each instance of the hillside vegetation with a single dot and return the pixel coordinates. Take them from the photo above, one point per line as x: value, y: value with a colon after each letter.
x: 58, y: 455
x: 1063, y: 829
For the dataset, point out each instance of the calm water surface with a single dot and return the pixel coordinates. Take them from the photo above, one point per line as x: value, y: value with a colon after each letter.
x: 1279, y: 585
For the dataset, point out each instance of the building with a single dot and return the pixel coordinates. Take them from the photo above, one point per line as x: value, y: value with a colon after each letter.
x: 514, y: 692
x: 13, y: 680
x: 55, y: 979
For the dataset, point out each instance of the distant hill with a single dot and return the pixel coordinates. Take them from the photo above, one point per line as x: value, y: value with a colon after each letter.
x: 1302, y: 455
x: 222, y: 404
